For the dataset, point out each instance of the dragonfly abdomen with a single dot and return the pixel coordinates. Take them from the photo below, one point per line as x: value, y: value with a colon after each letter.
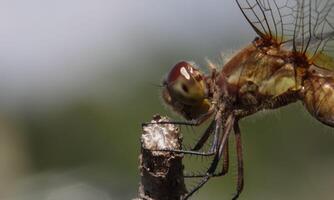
x: 318, y: 98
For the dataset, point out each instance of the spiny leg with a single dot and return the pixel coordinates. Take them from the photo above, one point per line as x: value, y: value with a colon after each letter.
x: 225, y: 155
x: 225, y: 160
x: 186, y: 123
x: 211, y: 129
x: 190, y: 152
x: 194, y: 122
x: 208, y: 175
x: 200, y: 143
x: 240, y: 180
x: 205, y: 136
x: 226, y: 131
x: 224, y: 169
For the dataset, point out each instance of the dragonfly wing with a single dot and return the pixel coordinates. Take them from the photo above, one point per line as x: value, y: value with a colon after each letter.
x: 303, y: 26
x: 272, y: 20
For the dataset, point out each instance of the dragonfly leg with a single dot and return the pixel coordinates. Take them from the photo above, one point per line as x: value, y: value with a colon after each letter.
x: 205, y: 136
x: 213, y: 149
x: 240, y: 180
x: 201, y: 142
x: 190, y: 152
x: 225, y: 160
x: 186, y: 123
x: 224, y: 169
x: 211, y: 129
x: 194, y: 151
x: 210, y: 172
x: 194, y: 122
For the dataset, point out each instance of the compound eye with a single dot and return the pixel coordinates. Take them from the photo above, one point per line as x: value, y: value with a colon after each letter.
x: 183, y: 69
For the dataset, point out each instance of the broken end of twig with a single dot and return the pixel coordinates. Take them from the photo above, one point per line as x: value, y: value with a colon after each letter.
x: 161, y: 171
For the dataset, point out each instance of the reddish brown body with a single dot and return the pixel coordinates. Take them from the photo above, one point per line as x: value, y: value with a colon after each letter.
x: 258, y: 77
x: 318, y: 97
x: 269, y: 77
x: 288, y: 62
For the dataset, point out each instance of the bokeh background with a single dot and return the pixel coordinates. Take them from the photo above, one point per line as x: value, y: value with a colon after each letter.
x: 77, y: 78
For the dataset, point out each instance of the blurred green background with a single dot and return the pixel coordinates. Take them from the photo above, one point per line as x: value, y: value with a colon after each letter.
x: 77, y: 78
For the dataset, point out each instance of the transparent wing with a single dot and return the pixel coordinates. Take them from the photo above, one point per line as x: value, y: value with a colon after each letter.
x: 305, y: 26
x: 321, y: 48
x: 272, y: 20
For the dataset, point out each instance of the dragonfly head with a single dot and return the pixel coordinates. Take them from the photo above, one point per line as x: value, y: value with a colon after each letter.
x: 186, y: 90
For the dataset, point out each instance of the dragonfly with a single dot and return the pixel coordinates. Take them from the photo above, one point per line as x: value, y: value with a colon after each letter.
x: 289, y: 60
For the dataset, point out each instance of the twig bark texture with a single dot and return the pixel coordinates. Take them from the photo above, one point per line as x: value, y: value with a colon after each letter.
x: 161, y: 171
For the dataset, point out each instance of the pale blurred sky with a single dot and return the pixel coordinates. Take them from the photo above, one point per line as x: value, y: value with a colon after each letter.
x: 50, y: 47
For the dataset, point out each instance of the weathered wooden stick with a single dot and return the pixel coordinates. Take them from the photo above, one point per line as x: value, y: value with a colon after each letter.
x: 161, y: 171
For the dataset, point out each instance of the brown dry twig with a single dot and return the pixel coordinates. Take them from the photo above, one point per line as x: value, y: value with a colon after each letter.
x: 161, y: 171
